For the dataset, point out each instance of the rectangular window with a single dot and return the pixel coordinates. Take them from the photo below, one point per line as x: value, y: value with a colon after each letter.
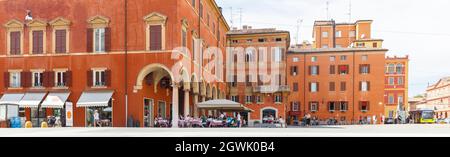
x: 314, y: 106
x: 343, y: 58
x: 15, y: 43
x: 343, y: 106
x: 332, y: 58
x: 294, y: 70
x: 248, y: 99
x: 391, y: 81
x: 331, y: 106
x: 324, y: 34
x: 248, y: 81
x: 332, y: 87
x: 314, y: 87
x: 60, y: 82
x: 295, y: 87
x: 391, y: 99
x: 14, y: 79
x: 99, y: 40
x: 400, y: 81
x: 278, y: 39
x: 365, y: 86
x: 249, y: 40
x: 259, y: 99
x: 313, y: 59
x: 375, y: 45
x: 343, y: 69
x: 60, y: 41
x: 364, y: 106
x: 295, y: 59
x: 295, y: 106
x: 234, y: 83
x: 278, y: 99
x: 99, y: 78
x: 364, y: 69
x: 332, y: 69
x: 360, y: 45
x: 338, y: 34
x: 155, y: 37
x: 277, y: 55
x: 38, y: 42
x: 38, y: 79
x: 235, y: 98
x: 261, y: 40
x: 343, y: 86
x: 193, y: 3
x: 325, y: 46
x: 314, y: 70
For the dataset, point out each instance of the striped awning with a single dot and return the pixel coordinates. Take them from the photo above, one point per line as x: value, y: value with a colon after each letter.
x: 11, y: 99
x: 32, y: 100
x: 55, y: 100
x: 95, y: 98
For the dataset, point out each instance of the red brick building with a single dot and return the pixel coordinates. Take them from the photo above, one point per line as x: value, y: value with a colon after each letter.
x: 103, y: 56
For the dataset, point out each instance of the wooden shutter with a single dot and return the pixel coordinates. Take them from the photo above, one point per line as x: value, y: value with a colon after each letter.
x: 368, y: 68
x: 60, y: 41
x: 45, y: 78
x: 360, y: 85
x: 156, y: 37
x: 51, y: 79
x: 68, y: 78
x: 309, y: 106
x: 40, y: 42
x: 89, y: 40
x: 26, y: 79
x: 317, y: 83
x: 368, y: 85
x: 368, y: 106
x: 6, y: 79
x: 318, y: 70
x: 309, y: 86
x: 107, y: 78
x: 309, y: 70
x: 108, y: 39
x: 89, y: 79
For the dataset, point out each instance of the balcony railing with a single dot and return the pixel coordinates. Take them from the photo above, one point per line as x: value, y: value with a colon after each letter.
x: 271, y: 89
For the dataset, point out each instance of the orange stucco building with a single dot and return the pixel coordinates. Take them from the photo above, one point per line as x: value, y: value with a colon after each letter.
x: 259, y: 49
x: 396, y: 85
x: 109, y: 57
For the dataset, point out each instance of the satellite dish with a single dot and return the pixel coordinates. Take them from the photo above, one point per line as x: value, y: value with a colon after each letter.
x: 363, y: 36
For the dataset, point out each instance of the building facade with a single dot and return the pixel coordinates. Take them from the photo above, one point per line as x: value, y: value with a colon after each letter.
x: 256, y: 49
x: 104, y: 57
x: 396, y: 85
x: 438, y: 98
x: 329, y: 34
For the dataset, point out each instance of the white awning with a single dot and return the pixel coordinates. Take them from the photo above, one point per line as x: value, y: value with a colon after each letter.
x: 11, y: 99
x: 32, y: 100
x: 55, y: 100
x: 223, y: 105
x: 95, y: 98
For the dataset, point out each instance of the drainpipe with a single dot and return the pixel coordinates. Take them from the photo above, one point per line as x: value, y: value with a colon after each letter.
x: 334, y: 33
x: 126, y: 61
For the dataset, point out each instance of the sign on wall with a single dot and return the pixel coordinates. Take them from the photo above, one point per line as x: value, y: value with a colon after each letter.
x: 69, y: 114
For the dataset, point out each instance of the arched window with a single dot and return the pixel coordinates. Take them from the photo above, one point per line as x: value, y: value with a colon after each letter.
x: 391, y: 68
x: 399, y: 68
x: 249, y: 56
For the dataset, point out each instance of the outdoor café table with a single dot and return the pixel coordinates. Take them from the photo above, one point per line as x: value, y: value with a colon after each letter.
x: 197, y: 122
x: 216, y: 123
x: 163, y: 123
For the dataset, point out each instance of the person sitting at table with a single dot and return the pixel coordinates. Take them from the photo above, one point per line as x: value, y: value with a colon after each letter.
x: 229, y: 121
x: 96, y: 118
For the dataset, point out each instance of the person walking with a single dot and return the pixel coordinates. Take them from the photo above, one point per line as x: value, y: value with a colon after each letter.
x: 369, y: 120
x: 96, y: 118
x: 374, y: 119
x: 238, y: 117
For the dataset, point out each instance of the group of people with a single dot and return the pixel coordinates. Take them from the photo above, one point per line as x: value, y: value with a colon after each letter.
x: 270, y: 119
x: 222, y: 120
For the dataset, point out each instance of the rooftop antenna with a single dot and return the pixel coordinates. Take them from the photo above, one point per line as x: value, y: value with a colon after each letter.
x: 240, y: 17
x: 297, y: 36
x: 328, y: 15
x: 231, y: 17
x: 350, y: 11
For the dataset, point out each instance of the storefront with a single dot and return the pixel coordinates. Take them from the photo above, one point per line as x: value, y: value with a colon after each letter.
x: 32, y: 100
x: 97, y: 102
x: 56, y: 102
x: 9, y: 107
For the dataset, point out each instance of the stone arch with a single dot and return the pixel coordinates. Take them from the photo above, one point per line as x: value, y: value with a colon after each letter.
x: 268, y: 108
x: 159, y: 68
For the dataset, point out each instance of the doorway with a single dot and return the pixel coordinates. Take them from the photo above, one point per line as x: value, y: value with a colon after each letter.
x: 148, y: 113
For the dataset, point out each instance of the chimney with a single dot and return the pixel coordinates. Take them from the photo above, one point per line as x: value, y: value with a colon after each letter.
x: 221, y: 10
x: 245, y: 27
x: 249, y: 27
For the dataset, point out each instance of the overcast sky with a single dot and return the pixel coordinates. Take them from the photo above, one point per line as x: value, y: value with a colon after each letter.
x: 418, y: 28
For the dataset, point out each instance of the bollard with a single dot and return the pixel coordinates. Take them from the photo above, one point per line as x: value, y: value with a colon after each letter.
x: 28, y: 124
x: 44, y: 125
